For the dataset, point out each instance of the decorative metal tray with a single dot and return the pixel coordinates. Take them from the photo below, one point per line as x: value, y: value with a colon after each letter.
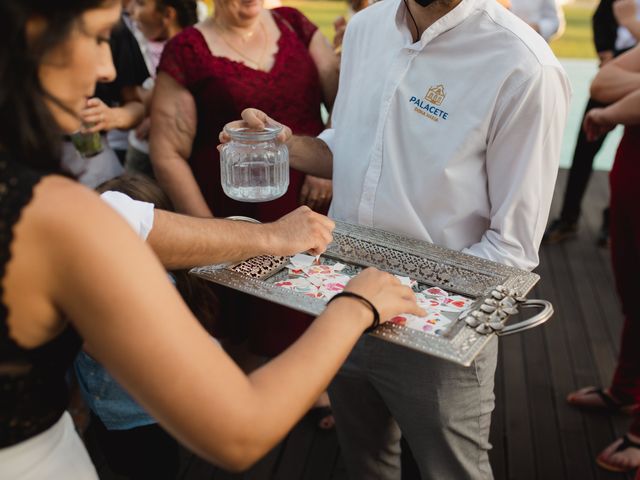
x: 496, y: 292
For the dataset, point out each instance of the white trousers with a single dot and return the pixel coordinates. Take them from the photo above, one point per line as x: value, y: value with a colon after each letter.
x: 56, y: 453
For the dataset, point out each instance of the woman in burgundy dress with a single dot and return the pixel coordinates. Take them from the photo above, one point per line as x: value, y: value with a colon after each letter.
x: 623, y: 395
x: 244, y: 56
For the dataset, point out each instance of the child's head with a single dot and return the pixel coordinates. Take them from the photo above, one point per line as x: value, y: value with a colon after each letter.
x: 197, y: 293
x: 138, y: 187
x: 160, y: 20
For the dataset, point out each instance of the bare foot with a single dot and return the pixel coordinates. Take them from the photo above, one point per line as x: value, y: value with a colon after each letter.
x: 621, y: 458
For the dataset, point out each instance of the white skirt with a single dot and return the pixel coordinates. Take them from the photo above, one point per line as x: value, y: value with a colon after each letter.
x: 56, y: 453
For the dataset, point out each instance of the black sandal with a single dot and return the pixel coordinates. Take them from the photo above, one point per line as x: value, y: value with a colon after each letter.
x: 611, y: 405
x: 625, y: 444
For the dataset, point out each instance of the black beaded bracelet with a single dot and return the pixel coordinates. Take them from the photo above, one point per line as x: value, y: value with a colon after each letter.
x: 374, y: 310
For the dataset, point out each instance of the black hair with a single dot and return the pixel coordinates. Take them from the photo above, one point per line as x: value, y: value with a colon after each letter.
x: 186, y: 10
x: 27, y: 127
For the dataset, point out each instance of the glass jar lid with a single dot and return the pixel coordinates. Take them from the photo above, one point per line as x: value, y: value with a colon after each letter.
x: 269, y: 132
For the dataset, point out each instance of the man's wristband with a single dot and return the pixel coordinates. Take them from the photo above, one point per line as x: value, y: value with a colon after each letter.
x: 367, y: 303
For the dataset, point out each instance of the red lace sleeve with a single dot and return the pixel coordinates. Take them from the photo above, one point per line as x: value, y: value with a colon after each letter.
x: 303, y: 27
x: 175, y: 58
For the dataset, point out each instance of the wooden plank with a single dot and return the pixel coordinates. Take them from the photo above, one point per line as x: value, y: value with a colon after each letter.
x: 517, y: 415
x: 576, y: 447
x: 546, y: 439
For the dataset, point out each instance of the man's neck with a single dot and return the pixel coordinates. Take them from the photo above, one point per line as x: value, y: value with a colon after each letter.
x: 427, y: 16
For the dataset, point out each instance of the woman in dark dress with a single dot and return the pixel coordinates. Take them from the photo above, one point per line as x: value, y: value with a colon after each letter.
x: 623, y: 394
x: 72, y: 270
x: 243, y: 56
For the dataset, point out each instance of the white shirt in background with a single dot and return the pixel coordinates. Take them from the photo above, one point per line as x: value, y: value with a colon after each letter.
x: 139, y: 215
x: 454, y: 139
x: 547, y: 14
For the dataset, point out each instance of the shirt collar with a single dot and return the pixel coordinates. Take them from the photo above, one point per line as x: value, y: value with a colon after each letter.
x: 451, y: 20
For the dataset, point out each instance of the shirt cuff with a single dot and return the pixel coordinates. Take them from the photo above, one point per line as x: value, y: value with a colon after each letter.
x: 139, y: 215
x: 327, y: 137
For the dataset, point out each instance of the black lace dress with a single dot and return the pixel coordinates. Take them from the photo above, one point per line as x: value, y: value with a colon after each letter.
x: 33, y: 390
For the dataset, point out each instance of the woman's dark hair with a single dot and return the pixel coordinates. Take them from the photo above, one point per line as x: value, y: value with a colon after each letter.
x: 197, y: 293
x: 27, y: 127
x: 186, y: 10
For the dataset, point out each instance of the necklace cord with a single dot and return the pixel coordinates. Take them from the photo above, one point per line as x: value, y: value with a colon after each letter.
x: 258, y: 63
x: 413, y: 19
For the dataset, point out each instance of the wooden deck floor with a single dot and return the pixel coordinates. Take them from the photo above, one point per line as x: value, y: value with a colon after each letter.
x: 534, y: 433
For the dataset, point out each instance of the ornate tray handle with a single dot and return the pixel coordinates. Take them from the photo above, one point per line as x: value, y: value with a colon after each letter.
x: 539, y: 319
x: 490, y: 314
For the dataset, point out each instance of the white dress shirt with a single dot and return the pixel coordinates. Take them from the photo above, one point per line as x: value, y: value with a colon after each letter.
x: 139, y: 215
x: 473, y: 167
x: 547, y: 14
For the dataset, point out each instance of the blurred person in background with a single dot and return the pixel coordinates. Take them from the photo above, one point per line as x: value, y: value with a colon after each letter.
x: 618, y: 85
x: 241, y: 56
x: 615, y: 30
x: 544, y: 16
x: 158, y: 21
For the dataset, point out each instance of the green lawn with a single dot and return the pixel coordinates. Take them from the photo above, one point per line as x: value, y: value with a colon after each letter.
x: 575, y: 43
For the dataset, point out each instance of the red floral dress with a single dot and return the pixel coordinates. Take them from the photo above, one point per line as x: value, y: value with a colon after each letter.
x: 290, y: 92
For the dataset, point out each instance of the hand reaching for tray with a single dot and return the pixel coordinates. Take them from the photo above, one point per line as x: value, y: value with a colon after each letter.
x: 300, y: 231
x: 386, y: 293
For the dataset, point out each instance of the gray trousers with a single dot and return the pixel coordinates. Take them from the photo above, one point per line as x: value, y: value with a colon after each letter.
x: 442, y: 409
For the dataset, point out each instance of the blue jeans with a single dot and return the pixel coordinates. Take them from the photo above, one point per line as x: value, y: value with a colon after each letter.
x: 106, y: 398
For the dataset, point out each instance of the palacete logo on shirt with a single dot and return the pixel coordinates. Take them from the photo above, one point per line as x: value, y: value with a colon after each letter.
x: 428, y: 106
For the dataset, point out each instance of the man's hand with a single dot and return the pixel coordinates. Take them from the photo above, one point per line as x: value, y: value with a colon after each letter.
x: 256, y: 119
x: 596, y: 123
x: 605, y: 56
x: 316, y: 193
x: 300, y: 231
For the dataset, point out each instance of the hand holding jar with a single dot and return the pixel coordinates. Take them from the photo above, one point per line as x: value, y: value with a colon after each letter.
x: 254, y: 166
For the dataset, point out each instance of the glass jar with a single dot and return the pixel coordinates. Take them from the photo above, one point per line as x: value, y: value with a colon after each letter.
x: 87, y: 144
x: 253, y: 167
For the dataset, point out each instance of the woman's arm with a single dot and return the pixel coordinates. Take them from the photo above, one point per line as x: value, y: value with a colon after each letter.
x: 599, y: 121
x: 173, y: 128
x: 328, y: 65
x: 626, y: 16
x: 117, y: 295
x: 618, y: 78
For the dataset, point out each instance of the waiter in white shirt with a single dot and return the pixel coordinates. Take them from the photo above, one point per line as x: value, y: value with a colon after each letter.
x: 447, y: 128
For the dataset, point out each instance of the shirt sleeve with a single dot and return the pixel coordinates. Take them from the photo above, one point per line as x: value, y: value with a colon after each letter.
x: 173, y: 59
x: 139, y: 215
x: 327, y: 136
x: 522, y: 158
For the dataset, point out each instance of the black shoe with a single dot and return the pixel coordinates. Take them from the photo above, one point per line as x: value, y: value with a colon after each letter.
x: 559, y: 231
x: 602, y: 240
